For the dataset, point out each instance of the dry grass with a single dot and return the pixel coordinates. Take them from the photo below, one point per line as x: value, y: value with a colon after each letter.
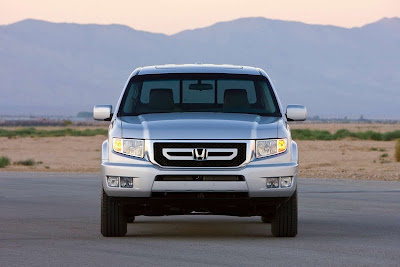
x: 353, y: 127
x: 33, y: 132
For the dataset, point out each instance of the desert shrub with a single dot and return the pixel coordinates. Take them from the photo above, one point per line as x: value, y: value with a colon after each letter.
x: 300, y: 134
x: 391, y: 135
x: 28, y: 162
x: 67, y: 122
x: 397, y: 151
x: 341, y: 134
x: 307, y: 134
x: 33, y: 132
x: 4, y: 161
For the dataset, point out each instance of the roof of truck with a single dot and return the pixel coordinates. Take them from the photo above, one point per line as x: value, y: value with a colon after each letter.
x: 197, y: 68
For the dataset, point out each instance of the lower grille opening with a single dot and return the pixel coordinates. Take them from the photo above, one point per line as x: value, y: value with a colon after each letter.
x: 200, y: 195
x: 236, y: 178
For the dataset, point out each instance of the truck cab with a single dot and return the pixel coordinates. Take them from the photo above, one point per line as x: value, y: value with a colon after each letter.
x: 199, y: 138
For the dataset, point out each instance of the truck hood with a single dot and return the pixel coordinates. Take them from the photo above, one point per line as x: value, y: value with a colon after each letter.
x: 199, y: 126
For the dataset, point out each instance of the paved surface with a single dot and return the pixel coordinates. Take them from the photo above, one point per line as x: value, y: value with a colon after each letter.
x: 53, y: 219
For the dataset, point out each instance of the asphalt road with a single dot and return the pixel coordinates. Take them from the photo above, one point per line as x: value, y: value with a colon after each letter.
x: 53, y: 220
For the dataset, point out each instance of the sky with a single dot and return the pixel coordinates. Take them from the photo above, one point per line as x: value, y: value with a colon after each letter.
x: 172, y: 16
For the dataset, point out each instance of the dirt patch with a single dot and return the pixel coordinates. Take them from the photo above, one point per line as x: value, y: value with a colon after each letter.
x: 57, y: 154
x: 355, y: 159
x: 349, y: 158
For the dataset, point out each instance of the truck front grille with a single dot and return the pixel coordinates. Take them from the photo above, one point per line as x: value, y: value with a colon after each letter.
x: 200, y: 154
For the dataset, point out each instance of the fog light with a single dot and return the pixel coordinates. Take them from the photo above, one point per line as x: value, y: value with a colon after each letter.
x: 126, y: 182
x: 272, y: 182
x: 286, y: 182
x: 113, y: 181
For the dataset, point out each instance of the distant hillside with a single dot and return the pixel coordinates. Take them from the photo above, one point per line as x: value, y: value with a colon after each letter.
x: 60, y: 68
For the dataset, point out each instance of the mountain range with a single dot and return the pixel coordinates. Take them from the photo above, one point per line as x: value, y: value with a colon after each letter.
x: 64, y: 68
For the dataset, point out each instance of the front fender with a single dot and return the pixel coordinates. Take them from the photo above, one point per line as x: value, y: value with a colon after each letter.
x: 295, y: 152
x: 104, y: 151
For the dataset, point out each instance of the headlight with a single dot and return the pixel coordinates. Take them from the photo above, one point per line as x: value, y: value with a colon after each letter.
x: 265, y: 148
x: 130, y: 147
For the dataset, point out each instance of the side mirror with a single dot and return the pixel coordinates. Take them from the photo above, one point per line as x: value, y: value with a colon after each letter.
x: 102, y: 112
x: 296, y: 113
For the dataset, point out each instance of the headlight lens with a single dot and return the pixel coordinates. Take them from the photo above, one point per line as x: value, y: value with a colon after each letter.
x: 265, y: 148
x: 131, y: 147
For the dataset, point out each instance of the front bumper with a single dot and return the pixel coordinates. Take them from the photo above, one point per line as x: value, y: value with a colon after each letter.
x: 254, y: 173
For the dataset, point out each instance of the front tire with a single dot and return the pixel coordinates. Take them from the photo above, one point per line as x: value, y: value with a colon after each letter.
x: 113, y: 220
x: 284, y: 222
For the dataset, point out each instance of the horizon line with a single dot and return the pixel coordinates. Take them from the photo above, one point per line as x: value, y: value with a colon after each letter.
x: 197, y: 28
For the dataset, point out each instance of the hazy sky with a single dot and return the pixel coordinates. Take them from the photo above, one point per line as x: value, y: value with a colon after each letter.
x: 171, y: 16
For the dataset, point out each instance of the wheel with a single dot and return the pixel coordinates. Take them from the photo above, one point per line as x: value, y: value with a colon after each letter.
x: 266, y: 219
x: 113, y: 221
x: 284, y: 222
x: 131, y: 219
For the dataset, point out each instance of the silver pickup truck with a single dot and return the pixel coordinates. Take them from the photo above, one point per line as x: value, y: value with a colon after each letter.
x: 189, y: 139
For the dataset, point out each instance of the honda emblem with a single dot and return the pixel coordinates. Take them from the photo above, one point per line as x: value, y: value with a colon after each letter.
x: 200, y: 154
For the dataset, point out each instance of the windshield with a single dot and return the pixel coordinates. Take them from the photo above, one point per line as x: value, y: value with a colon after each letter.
x: 224, y: 93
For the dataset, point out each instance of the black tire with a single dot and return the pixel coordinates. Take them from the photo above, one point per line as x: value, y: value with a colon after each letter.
x: 113, y: 221
x: 266, y: 219
x: 284, y: 223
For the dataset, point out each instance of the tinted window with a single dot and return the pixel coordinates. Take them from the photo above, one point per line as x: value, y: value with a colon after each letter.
x: 199, y: 93
x: 162, y: 84
x: 207, y: 95
x: 247, y: 85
